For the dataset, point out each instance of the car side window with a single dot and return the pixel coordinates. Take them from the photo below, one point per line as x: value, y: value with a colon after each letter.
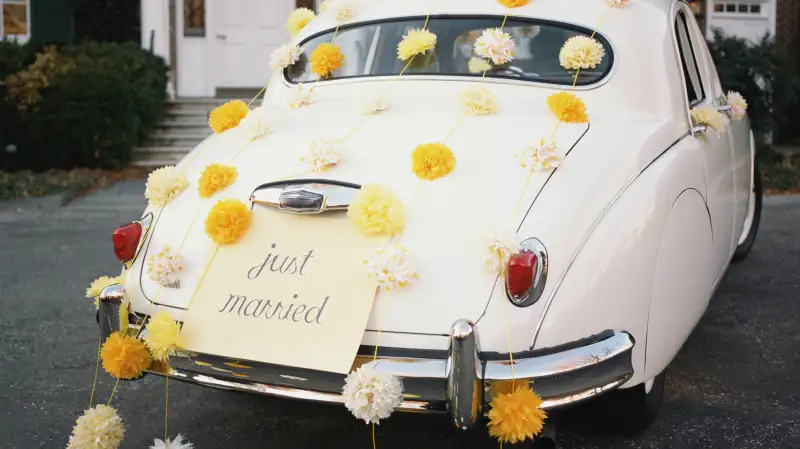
x: 691, y: 72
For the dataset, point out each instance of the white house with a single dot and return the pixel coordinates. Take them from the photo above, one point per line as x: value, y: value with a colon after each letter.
x: 219, y: 47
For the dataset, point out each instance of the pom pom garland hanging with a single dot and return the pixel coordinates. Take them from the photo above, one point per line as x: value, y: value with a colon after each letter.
x: 498, y: 250
x: 165, y: 267
x: 581, y: 52
x: 324, y: 154
x: 515, y: 417
x: 738, y: 105
x: 496, y: 45
x: 325, y: 59
x: 124, y: 357
x: 163, y: 185
x: 376, y: 210
x: 215, y: 177
x: 477, y: 100
x: 162, y: 336
x: 298, y: 19
x: 390, y: 267
x: 567, y: 107
x: 284, y: 56
x: 431, y: 161
x: 540, y: 157
x: 176, y: 443
x: 99, y: 427
x: 371, y: 103
x: 227, y: 115
x: 370, y: 395
x: 227, y: 221
x: 416, y: 42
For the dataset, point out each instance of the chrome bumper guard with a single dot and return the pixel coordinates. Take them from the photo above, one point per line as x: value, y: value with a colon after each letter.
x: 458, y: 381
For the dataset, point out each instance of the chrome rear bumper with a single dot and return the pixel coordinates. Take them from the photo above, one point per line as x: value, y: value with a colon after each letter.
x: 458, y: 381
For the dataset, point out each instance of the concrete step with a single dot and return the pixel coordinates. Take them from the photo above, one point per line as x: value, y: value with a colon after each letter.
x: 189, y: 141
x: 182, y: 133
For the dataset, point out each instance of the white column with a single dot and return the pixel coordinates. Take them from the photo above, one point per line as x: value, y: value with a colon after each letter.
x: 155, y: 23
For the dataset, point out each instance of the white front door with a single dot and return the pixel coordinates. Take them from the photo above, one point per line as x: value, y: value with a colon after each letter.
x: 244, y: 34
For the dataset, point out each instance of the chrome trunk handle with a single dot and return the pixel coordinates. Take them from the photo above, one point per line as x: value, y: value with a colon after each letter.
x: 306, y: 196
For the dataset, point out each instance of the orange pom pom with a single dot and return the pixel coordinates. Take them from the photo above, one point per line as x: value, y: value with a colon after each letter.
x: 567, y: 107
x: 513, y: 3
x: 227, y: 221
x: 430, y: 161
x: 325, y: 59
x: 516, y: 416
x: 227, y: 116
x: 215, y: 178
x: 124, y: 357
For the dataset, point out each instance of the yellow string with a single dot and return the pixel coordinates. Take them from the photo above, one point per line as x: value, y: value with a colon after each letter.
x: 453, y: 129
x: 166, y: 409
x: 114, y: 390
x: 243, y: 148
x: 204, y: 145
x: 96, y: 370
x: 202, y: 276
x: 266, y: 86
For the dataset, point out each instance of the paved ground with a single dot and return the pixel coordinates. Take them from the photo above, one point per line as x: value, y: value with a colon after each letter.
x: 736, y: 383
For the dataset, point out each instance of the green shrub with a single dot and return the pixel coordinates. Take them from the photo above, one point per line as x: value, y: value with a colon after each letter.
x: 92, y: 106
x: 760, y: 73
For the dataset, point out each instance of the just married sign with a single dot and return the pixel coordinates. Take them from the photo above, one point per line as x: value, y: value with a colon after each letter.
x: 293, y: 292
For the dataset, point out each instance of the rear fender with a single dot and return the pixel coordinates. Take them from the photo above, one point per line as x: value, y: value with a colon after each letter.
x: 609, y: 283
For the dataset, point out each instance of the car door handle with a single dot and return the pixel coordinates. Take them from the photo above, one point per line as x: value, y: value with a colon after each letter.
x: 723, y: 108
x: 222, y: 37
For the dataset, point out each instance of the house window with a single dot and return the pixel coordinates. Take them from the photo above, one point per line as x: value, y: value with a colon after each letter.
x: 15, y: 21
x: 194, y: 18
x: 738, y: 8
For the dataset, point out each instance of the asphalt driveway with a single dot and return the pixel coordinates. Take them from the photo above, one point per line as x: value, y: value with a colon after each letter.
x: 735, y: 384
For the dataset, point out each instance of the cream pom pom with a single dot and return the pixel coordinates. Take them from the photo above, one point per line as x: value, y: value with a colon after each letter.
x: 370, y: 395
x: 175, y: 443
x: 257, y: 123
x: 284, y: 56
x: 477, y: 100
x: 324, y: 154
x: 708, y: 116
x: 738, y: 104
x: 98, y: 428
x: 618, y: 3
x: 165, y: 267
x: 164, y: 184
x: 341, y: 10
x: 495, y: 44
x: 478, y: 65
x: 581, y: 52
x: 540, y: 157
x: 299, y: 96
x: 390, y: 267
x: 416, y: 42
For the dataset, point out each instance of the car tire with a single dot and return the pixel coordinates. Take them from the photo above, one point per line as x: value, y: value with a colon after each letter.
x: 631, y: 410
x: 743, y: 250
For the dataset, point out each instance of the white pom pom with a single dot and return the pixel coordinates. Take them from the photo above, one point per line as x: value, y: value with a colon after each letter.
x: 370, y: 395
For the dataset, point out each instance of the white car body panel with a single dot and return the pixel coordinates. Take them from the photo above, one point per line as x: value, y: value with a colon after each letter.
x: 613, y: 217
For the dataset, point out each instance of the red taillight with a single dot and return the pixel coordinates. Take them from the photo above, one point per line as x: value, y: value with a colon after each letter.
x: 520, y: 272
x: 126, y: 241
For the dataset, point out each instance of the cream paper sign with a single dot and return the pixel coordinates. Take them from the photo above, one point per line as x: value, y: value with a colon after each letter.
x: 292, y: 292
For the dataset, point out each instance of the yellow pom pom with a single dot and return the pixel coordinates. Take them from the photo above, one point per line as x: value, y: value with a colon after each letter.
x: 227, y: 116
x: 298, y: 19
x: 97, y: 286
x: 227, y: 221
x: 567, y: 107
x: 430, y: 161
x: 325, y: 59
x: 124, y: 357
x: 124, y: 320
x: 415, y: 42
x: 513, y: 3
x: 516, y: 416
x: 376, y: 210
x: 215, y: 178
x: 162, y: 335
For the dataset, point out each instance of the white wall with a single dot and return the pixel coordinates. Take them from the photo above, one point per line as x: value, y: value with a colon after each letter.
x: 743, y: 21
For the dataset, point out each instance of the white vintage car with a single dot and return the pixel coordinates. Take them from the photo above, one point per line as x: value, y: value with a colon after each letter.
x: 618, y: 249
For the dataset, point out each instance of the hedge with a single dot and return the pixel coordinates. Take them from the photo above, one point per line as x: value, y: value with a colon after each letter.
x: 86, y: 105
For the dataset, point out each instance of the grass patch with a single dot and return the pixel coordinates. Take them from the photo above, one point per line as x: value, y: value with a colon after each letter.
x: 26, y: 183
x: 780, y: 172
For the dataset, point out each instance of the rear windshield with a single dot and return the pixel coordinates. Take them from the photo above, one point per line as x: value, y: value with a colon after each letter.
x: 370, y: 50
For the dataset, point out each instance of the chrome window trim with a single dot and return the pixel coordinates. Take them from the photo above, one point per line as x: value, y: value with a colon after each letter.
x: 609, y: 45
